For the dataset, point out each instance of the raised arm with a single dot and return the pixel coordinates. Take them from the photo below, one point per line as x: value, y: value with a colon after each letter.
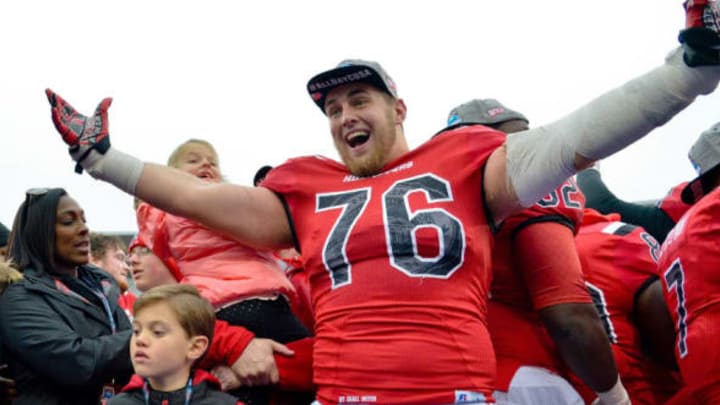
x: 253, y: 215
x: 534, y: 162
x: 599, y: 197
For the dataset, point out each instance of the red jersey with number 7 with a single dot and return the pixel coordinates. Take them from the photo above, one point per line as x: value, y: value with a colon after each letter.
x: 619, y: 261
x: 689, y: 268
x: 399, y: 270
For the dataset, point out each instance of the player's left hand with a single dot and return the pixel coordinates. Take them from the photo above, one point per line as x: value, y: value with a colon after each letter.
x: 701, y: 36
x: 81, y: 133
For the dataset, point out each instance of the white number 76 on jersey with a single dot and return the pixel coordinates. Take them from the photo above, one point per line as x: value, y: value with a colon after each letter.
x: 401, y: 225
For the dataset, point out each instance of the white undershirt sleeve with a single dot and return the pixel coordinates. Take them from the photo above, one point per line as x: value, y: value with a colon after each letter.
x: 541, y: 158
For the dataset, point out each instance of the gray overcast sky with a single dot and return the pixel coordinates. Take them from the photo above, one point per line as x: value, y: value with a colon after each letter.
x: 234, y: 73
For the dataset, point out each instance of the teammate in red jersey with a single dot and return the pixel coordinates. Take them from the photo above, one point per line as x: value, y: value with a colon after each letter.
x: 397, y: 241
x: 619, y: 263
x: 687, y: 268
x: 672, y: 204
x: 536, y: 272
x: 657, y: 219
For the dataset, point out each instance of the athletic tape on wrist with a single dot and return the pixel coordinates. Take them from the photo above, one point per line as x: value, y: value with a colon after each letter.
x: 617, y: 395
x: 115, y: 167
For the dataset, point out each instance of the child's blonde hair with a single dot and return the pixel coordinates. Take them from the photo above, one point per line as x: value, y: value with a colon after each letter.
x: 174, y: 159
x: 193, y: 312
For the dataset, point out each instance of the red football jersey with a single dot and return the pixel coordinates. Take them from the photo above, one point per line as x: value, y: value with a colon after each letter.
x: 688, y: 268
x: 618, y: 261
x: 543, y: 279
x: 399, y: 269
x: 535, y: 266
x: 672, y: 204
x: 519, y: 340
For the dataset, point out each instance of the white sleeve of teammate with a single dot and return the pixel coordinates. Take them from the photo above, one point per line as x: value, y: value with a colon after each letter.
x: 541, y: 158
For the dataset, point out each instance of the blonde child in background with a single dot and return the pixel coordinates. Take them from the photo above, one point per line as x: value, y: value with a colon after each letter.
x: 246, y: 287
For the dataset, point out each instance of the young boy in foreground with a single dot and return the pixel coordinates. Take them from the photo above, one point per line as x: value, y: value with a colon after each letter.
x: 172, y: 329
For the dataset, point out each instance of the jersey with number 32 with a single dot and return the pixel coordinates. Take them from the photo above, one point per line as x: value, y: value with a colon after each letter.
x: 527, y: 289
x: 399, y: 270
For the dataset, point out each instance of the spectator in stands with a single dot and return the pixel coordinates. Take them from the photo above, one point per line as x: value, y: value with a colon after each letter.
x: 65, y: 334
x: 256, y: 363
x: 245, y: 286
x: 172, y: 330
x: 8, y: 275
x: 108, y: 253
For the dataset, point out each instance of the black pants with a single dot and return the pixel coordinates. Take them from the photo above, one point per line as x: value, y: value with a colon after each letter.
x: 269, y: 319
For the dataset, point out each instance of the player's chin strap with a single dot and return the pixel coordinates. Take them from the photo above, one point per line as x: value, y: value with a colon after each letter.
x: 541, y: 158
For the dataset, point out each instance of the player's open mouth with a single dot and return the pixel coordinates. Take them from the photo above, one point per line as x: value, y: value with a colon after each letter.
x: 358, y: 138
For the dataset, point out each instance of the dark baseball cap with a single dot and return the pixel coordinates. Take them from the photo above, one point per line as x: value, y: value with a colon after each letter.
x: 350, y: 71
x: 487, y: 111
x: 704, y: 156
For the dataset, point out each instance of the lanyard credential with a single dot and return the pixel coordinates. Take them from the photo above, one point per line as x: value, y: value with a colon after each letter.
x: 188, y: 391
x: 104, y: 300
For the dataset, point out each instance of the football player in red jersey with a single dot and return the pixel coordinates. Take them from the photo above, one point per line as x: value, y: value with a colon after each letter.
x: 537, y: 274
x: 657, y: 219
x: 397, y: 241
x: 687, y: 268
x: 619, y: 263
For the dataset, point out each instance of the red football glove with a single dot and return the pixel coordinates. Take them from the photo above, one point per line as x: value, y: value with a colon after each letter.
x: 83, y: 134
x: 701, y: 37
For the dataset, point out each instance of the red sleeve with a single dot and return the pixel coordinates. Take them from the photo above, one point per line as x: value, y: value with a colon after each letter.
x: 550, y: 265
x: 296, y: 373
x: 673, y: 205
x: 228, y: 344
x: 126, y: 302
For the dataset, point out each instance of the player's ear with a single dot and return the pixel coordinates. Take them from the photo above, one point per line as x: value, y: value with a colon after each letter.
x: 400, y: 110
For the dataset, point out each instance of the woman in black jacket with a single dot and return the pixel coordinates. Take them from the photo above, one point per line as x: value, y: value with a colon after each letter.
x: 65, y: 337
